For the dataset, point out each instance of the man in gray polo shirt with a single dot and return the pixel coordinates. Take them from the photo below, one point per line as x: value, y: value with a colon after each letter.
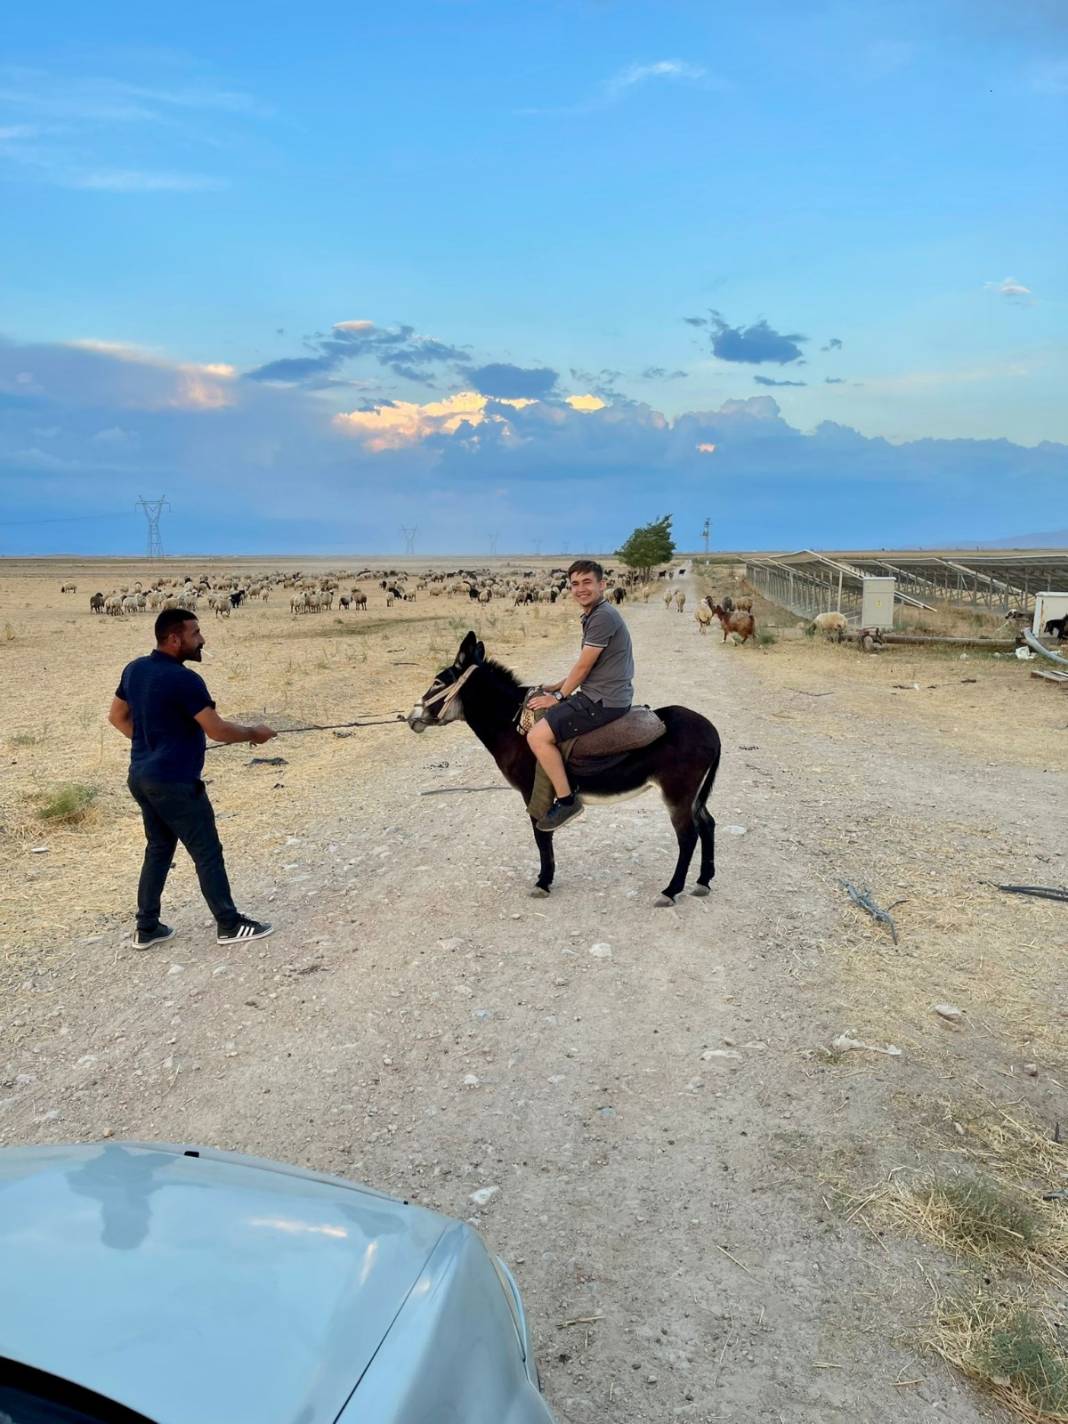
x: 597, y: 690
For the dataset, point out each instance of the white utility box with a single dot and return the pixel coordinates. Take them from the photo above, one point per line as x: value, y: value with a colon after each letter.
x: 1053, y: 604
x: 877, y: 602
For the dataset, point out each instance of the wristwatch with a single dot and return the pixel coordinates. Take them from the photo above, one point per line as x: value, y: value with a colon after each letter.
x: 558, y: 695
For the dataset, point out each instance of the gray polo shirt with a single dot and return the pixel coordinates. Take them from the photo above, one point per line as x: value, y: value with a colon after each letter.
x: 611, y: 679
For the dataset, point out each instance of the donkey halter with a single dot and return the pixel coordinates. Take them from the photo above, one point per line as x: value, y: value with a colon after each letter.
x: 448, y: 693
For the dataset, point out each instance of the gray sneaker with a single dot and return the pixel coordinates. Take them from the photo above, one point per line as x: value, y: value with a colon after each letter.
x: 560, y: 815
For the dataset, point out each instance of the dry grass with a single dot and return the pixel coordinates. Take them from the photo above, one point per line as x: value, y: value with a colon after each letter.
x: 1009, y: 1351
x: 992, y: 1208
x: 991, y: 1216
x: 319, y: 668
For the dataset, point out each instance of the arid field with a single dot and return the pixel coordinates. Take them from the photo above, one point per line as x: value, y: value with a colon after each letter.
x: 62, y: 663
x: 750, y: 1158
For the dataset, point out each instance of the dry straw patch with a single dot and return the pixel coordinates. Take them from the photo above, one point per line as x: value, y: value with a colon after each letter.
x: 993, y: 1215
x: 1011, y: 1352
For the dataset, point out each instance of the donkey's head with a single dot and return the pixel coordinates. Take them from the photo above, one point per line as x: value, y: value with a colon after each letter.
x: 440, y: 703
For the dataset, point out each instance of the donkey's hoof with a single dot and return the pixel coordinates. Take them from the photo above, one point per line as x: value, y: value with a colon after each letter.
x: 699, y: 890
x: 664, y: 902
x: 539, y: 893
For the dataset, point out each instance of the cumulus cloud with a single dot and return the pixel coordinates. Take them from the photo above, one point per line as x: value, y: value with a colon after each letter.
x: 833, y: 345
x: 754, y: 344
x: 512, y: 382
x: 661, y: 373
x: 399, y: 349
x: 272, y: 468
x: 767, y: 381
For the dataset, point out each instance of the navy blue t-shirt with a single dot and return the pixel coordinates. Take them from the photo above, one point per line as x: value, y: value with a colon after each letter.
x: 164, y: 697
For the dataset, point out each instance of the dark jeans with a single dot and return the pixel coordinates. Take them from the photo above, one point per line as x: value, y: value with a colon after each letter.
x: 176, y: 811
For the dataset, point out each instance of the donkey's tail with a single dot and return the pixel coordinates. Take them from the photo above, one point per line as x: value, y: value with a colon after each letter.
x: 707, y: 782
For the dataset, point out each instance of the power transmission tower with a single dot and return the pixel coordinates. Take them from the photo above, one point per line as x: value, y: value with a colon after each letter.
x: 152, y: 509
x: 493, y: 544
x: 537, y: 547
x: 409, y: 539
x: 705, y: 532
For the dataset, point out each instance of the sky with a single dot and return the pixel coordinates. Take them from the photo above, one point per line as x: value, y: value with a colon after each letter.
x: 525, y: 276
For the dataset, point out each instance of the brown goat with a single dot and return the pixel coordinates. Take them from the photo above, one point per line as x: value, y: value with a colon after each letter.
x: 743, y: 624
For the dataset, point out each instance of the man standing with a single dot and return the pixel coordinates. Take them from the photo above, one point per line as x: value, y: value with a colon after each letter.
x: 597, y: 690
x: 165, y: 709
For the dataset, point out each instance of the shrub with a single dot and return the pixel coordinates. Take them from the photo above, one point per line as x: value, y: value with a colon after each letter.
x: 67, y: 803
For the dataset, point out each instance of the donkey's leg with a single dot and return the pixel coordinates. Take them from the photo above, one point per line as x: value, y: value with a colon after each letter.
x: 544, y: 841
x: 706, y: 829
x: 686, y: 835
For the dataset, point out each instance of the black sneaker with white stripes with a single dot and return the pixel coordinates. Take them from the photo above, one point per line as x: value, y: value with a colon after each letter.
x: 145, y: 939
x: 243, y: 931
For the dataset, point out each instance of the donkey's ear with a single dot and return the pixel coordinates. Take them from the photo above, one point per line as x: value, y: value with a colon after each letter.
x: 467, y: 651
x: 480, y: 653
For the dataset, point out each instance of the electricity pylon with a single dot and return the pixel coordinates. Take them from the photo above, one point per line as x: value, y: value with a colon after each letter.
x: 705, y: 533
x: 152, y: 509
x: 409, y: 539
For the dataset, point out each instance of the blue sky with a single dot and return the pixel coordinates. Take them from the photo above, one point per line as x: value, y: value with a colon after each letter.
x: 798, y: 266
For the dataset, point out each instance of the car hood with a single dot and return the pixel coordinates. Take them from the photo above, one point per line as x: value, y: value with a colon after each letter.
x: 207, y: 1287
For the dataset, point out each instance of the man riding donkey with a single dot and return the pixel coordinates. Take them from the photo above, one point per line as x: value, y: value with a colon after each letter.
x: 597, y: 690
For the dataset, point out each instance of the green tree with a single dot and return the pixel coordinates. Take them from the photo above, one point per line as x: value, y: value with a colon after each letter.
x: 648, y: 546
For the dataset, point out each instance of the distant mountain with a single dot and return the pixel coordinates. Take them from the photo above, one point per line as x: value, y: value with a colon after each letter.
x: 1051, y: 539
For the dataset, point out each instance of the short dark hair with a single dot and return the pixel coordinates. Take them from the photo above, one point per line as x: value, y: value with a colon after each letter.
x: 586, y: 566
x: 170, y: 621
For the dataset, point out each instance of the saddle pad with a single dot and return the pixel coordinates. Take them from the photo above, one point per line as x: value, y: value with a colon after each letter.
x: 637, y: 729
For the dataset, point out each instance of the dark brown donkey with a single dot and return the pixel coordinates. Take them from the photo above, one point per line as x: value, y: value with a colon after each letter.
x: 682, y: 762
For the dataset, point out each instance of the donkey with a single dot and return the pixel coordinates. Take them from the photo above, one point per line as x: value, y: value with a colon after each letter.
x: 682, y: 762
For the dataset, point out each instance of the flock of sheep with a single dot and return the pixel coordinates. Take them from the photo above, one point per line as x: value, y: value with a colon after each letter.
x: 223, y: 594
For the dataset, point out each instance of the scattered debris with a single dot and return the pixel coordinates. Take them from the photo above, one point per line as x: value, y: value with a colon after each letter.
x: 579, y: 1320
x: 1041, y: 892
x: 268, y: 761
x: 601, y: 950
x: 863, y: 899
x: 442, y: 790
x: 720, y: 1053
x: 482, y: 1196
x: 949, y: 1012
x: 39, y: 850
x: 1031, y: 1069
x: 846, y: 1043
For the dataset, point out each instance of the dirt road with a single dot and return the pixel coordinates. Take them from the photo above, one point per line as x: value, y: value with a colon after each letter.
x: 641, y: 1087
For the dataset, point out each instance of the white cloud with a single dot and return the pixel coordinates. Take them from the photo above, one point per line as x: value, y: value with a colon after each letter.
x: 136, y: 180
x: 635, y: 74
x: 1012, y: 289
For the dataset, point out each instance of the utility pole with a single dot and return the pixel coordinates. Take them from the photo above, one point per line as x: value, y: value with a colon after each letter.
x: 409, y: 538
x: 705, y: 532
x: 152, y: 509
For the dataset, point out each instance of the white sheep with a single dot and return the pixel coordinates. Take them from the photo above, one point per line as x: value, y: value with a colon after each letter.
x: 833, y: 624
